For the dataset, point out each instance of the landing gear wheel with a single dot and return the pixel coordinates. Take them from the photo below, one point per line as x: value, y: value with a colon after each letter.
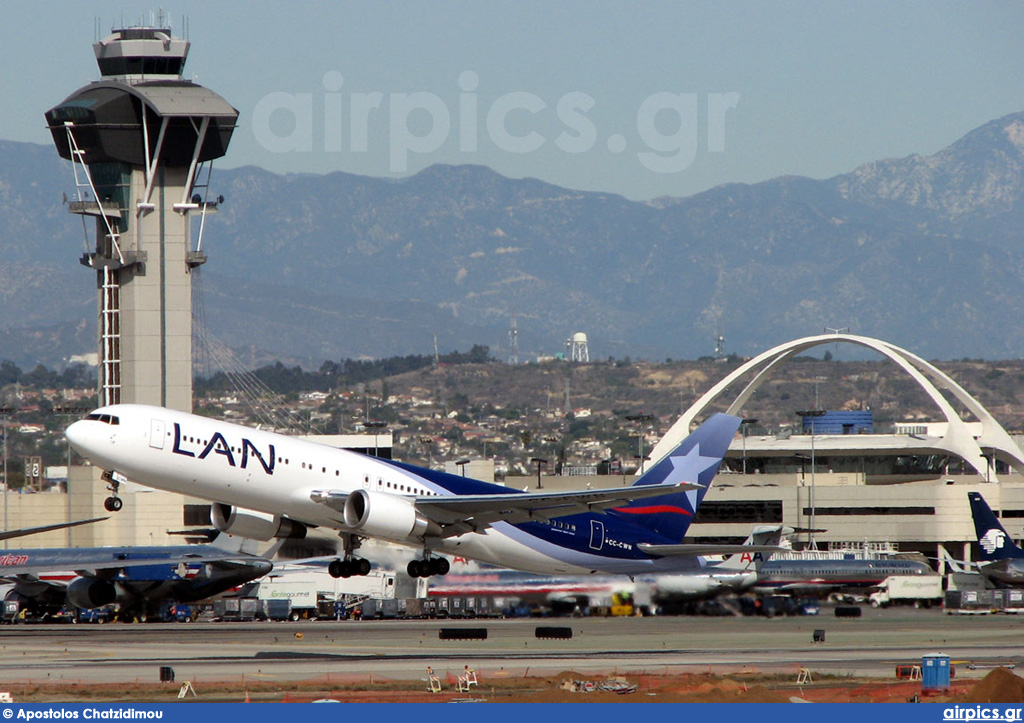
x: 349, y: 568
x: 338, y: 568
x: 428, y: 566
x: 113, y: 503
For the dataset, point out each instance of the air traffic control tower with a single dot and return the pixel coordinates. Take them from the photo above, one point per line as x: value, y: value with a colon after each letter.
x: 140, y: 140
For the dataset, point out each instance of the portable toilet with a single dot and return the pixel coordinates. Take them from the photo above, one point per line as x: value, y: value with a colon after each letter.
x: 934, y: 672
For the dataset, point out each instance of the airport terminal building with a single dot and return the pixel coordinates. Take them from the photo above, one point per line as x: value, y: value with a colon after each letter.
x: 841, y: 483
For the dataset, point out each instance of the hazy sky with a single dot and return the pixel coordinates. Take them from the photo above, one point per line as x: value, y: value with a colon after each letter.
x: 638, y: 98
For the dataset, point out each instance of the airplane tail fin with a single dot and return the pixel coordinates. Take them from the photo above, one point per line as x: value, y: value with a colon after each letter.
x: 761, y: 535
x: 695, y: 460
x: 952, y: 564
x: 995, y: 544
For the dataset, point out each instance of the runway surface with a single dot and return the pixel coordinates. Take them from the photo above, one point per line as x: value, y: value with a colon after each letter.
x: 284, y: 651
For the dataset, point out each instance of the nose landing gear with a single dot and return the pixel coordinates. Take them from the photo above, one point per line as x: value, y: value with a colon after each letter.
x: 114, y: 480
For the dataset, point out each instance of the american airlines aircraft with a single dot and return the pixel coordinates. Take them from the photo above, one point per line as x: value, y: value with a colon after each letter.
x: 266, y: 485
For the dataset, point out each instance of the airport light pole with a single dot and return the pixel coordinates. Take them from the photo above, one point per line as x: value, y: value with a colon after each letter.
x: 68, y: 411
x: 376, y: 427
x: 428, y: 443
x: 813, y: 414
x: 744, y: 425
x: 539, y: 462
x: 461, y: 464
x: 5, y: 415
x: 639, y: 420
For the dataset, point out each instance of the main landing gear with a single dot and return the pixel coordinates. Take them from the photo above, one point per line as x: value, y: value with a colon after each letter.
x: 349, y: 566
x: 114, y: 480
x: 428, y: 566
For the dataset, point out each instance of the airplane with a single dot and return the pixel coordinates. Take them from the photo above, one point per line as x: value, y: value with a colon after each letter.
x: 734, y: 574
x: 737, y: 573
x: 138, y: 579
x: 819, y: 576
x: 1003, y: 561
x: 266, y: 485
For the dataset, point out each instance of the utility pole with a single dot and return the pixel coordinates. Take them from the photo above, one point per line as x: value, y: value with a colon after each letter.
x: 5, y: 415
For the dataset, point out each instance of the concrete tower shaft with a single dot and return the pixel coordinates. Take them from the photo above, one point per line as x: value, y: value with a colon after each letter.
x: 138, y: 139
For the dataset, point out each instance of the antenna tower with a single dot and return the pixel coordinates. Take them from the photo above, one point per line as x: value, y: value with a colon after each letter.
x: 513, y: 343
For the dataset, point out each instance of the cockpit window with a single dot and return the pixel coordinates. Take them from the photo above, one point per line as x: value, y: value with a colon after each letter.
x: 105, y: 418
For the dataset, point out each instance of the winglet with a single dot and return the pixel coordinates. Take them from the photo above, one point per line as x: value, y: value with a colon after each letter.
x: 10, y: 534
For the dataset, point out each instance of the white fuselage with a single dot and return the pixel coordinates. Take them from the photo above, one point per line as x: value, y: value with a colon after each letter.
x: 276, y: 474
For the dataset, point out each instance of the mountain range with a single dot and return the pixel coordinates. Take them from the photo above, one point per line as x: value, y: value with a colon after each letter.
x: 922, y: 251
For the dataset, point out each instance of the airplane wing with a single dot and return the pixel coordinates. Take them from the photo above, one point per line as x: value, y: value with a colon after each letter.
x: 22, y: 562
x: 473, y: 513
x: 10, y: 534
x: 458, y: 514
x: 699, y: 550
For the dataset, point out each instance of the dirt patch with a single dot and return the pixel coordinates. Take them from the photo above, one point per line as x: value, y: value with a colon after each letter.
x: 999, y: 686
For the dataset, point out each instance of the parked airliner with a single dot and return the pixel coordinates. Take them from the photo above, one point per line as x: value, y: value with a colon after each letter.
x: 266, y: 485
x: 139, y: 579
x: 1002, y: 560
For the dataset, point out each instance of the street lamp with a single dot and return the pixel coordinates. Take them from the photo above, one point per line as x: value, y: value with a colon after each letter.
x: 461, y: 464
x: 743, y: 425
x: 639, y: 419
x: 68, y: 411
x: 5, y: 414
x: 539, y: 462
x: 376, y: 427
x: 428, y: 443
x: 813, y: 414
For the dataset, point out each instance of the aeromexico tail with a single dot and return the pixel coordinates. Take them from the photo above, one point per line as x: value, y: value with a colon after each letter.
x: 1002, y: 560
x: 995, y: 544
x: 266, y: 485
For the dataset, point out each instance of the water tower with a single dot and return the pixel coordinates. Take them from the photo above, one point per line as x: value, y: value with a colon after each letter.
x: 578, y: 351
x: 139, y: 140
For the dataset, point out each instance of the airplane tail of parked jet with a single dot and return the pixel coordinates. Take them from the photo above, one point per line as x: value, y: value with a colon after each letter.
x: 695, y: 460
x: 995, y: 544
x: 760, y: 536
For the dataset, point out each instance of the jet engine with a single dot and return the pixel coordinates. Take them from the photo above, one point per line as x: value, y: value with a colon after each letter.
x: 254, y: 525
x: 379, y: 514
x: 88, y: 592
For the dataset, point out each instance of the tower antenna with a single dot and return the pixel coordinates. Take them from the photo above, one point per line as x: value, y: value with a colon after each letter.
x: 513, y: 343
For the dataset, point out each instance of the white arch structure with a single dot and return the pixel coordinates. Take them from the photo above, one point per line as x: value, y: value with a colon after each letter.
x: 958, y: 439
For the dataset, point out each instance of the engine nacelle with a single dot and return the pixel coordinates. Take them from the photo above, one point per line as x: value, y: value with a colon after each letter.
x: 379, y: 514
x: 254, y: 525
x: 88, y: 592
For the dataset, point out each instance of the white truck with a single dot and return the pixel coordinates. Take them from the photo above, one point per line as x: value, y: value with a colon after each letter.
x: 303, y: 596
x: 916, y: 590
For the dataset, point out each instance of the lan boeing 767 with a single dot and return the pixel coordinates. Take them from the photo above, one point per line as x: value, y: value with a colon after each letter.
x: 266, y: 485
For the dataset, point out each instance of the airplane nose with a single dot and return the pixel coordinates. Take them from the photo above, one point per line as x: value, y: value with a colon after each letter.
x: 77, y: 435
